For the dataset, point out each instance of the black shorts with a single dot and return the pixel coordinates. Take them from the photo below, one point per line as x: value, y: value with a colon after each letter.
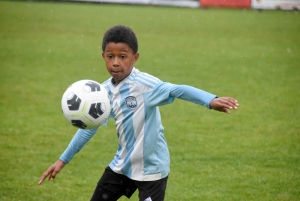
x: 112, y: 186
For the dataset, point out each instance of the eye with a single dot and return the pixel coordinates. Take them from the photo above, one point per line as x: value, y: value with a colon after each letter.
x: 122, y: 56
x: 109, y: 56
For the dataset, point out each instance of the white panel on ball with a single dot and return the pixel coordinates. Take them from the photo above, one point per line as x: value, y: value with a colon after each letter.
x: 86, y: 104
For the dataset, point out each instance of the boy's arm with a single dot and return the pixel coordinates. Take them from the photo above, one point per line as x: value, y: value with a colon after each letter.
x: 79, y: 140
x: 198, y: 96
x: 76, y: 144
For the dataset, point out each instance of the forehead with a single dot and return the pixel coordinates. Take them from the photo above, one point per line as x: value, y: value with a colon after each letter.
x: 117, y: 47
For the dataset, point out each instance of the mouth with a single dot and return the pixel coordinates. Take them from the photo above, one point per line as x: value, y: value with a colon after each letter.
x: 115, y: 72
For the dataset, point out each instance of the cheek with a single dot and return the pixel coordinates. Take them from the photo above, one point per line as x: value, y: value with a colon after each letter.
x: 107, y: 62
x: 107, y: 65
x: 132, y: 62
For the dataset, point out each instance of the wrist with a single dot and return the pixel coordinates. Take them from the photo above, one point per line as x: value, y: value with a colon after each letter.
x: 61, y: 163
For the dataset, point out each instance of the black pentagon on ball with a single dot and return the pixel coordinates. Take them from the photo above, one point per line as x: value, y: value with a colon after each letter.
x: 93, y: 86
x: 74, y: 103
x: 79, y: 124
x: 95, y: 110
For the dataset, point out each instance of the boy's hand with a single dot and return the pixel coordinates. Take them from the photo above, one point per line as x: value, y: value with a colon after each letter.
x: 224, y: 104
x: 52, y: 171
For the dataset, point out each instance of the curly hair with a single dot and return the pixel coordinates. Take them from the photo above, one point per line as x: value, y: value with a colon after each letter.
x: 120, y: 34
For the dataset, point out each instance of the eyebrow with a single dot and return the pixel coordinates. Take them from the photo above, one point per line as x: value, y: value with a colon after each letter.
x: 123, y: 50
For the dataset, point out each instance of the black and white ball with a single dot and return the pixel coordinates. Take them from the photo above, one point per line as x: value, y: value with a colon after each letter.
x: 86, y: 104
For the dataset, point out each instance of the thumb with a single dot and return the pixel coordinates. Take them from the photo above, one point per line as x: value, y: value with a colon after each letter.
x: 226, y: 110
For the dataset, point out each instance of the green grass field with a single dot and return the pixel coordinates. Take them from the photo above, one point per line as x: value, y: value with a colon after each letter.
x: 252, y: 154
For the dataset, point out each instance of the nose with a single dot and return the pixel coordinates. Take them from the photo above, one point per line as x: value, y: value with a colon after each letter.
x: 116, y: 62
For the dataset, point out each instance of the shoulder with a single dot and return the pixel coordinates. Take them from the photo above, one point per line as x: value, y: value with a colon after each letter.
x: 144, y: 79
x: 107, y: 84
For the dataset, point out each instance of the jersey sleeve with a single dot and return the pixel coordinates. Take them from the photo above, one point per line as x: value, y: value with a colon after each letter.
x: 160, y: 95
x: 192, y: 94
x: 79, y: 140
x: 165, y: 93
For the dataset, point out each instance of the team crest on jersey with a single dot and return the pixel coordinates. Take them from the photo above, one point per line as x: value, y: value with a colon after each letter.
x: 131, y: 102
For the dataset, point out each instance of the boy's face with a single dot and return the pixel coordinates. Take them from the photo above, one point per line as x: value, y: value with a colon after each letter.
x: 119, y: 59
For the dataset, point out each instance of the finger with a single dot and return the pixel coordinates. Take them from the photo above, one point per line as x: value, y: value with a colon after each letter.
x: 230, y: 103
x: 43, y: 177
x: 229, y: 99
x: 225, y: 104
x: 53, y: 175
x: 49, y: 177
x: 48, y: 172
x: 225, y: 110
x: 234, y: 102
x: 226, y: 107
x: 41, y: 181
x: 232, y: 99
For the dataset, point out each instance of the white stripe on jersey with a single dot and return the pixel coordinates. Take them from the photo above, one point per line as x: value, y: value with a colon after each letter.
x: 138, y: 119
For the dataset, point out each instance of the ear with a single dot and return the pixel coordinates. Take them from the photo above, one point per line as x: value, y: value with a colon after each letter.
x: 103, y: 55
x: 136, y: 57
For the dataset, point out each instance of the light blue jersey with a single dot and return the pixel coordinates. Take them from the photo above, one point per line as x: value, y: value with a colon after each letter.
x: 143, y: 153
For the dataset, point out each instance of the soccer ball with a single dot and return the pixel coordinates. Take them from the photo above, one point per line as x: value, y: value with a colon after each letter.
x: 86, y: 104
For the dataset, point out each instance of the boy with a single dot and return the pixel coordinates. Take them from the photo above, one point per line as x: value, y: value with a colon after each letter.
x: 142, y: 161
